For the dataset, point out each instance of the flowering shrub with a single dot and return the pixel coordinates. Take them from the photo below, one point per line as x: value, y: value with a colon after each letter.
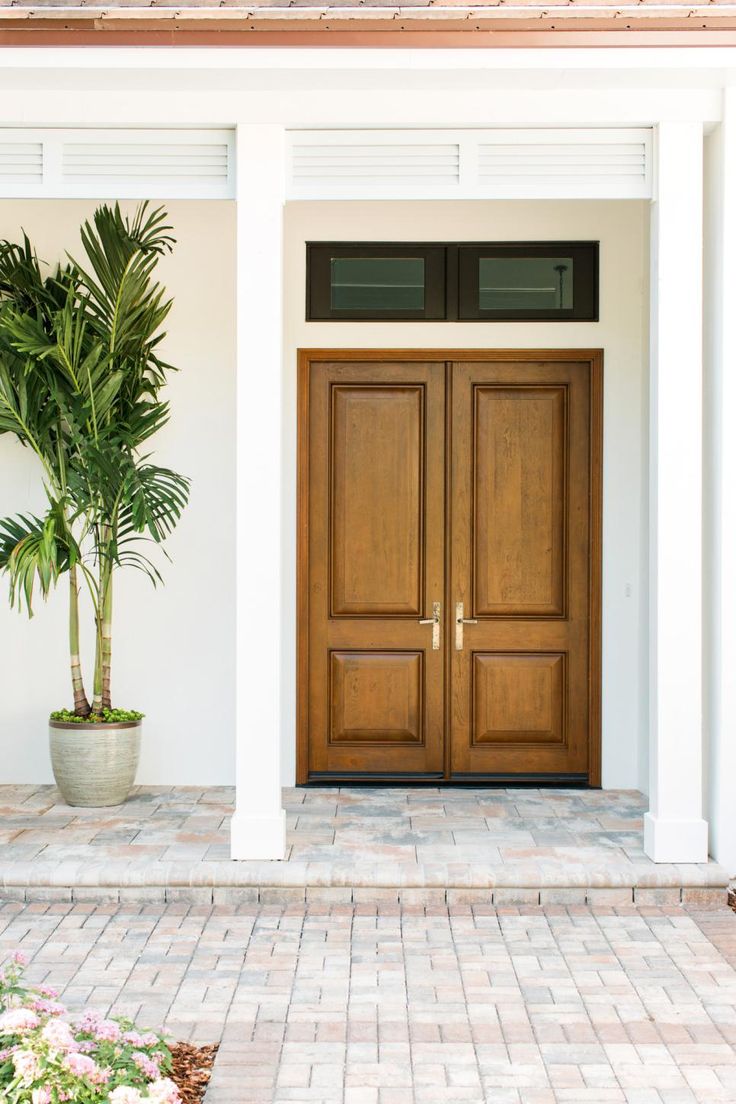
x: 45, y: 1059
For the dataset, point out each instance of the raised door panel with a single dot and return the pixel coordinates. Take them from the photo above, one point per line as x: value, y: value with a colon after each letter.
x: 377, y: 449
x: 518, y: 697
x: 377, y: 698
x: 519, y: 471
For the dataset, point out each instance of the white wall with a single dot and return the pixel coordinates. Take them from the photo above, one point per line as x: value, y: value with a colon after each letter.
x: 622, y: 229
x: 173, y: 647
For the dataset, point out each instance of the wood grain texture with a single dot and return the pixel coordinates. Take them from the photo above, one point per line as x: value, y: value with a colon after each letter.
x: 518, y: 697
x: 519, y: 472
x: 375, y: 551
x: 512, y: 439
x: 521, y: 563
x: 377, y: 500
x: 376, y: 697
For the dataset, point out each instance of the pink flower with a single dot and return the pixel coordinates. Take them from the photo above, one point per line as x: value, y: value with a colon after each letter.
x: 89, y: 1021
x: 41, y: 1096
x: 151, y: 1039
x: 20, y: 959
x: 47, y: 991
x: 81, y: 1066
x: 49, y: 1007
x: 125, y: 1094
x: 134, y: 1038
x: 17, y: 1020
x: 163, y: 1091
x: 106, y: 1031
x: 147, y: 1066
x: 59, y: 1035
x: 26, y: 1066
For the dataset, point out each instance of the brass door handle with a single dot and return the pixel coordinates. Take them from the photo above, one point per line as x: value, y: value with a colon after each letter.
x: 434, y: 621
x: 460, y: 620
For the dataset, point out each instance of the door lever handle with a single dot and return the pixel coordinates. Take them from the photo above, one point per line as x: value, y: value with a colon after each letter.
x: 434, y: 621
x: 460, y: 620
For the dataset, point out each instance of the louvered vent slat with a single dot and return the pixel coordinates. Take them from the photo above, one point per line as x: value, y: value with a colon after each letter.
x: 563, y: 164
x: 376, y: 164
x: 471, y: 164
x: 117, y: 164
x: 23, y: 161
x: 161, y: 163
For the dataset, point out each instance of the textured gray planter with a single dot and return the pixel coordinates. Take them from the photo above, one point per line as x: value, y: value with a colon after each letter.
x: 94, y: 764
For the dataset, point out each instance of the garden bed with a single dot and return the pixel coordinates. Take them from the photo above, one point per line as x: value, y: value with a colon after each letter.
x: 192, y: 1069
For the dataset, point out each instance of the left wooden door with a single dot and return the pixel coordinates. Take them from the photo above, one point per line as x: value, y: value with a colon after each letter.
x: 375, y: 453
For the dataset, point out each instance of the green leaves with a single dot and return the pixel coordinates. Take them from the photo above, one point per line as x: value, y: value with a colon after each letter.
x: 80, y: 383
x: 35, y: 551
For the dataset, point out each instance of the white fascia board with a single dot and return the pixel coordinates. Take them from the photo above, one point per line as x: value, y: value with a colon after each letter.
x: 57, y: 100
x: 710, y: 60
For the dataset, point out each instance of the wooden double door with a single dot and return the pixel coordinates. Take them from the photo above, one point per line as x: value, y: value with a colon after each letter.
x: 449, y: 566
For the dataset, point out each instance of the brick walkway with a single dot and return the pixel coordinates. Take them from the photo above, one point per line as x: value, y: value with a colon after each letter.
x: 367, y: 1005
x: 424, y: 845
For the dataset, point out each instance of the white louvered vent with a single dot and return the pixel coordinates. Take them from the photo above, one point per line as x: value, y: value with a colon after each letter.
x: 163, y: 162
x: 21, y: 164
x: 568, y: 166
x: 471, y: 164
x: 118, y: 164
x: 375, y: 164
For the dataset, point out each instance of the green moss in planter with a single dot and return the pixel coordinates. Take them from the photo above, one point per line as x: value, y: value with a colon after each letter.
x: 108, y: 716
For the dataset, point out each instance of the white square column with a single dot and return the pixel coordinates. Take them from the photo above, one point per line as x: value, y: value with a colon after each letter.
x: 258, y: 829
x: 674, y: 828
x: 721, y: 482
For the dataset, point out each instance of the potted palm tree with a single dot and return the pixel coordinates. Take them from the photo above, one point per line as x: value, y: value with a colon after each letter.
x: 80, y: 385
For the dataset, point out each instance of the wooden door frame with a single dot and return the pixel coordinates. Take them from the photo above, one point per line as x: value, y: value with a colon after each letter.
x: 594, y: 359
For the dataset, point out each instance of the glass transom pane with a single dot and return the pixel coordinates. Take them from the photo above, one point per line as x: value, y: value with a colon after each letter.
x: 525, y: 283
x: 377, y: 283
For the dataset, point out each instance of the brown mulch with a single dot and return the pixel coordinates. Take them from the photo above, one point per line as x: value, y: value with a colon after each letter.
x: 732, y: 899
x: 192, y: 1069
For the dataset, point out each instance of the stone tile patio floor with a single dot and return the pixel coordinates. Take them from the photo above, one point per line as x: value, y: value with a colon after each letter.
x: 420, y: 845
x: 361, y: 1004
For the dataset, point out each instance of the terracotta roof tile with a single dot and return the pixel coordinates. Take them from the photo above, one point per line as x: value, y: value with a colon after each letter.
x: 380, y: 16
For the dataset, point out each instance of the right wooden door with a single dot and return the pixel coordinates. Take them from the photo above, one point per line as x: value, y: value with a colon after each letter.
x: 523, y: 568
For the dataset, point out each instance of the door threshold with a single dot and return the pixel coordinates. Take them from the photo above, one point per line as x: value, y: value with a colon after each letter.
x: 491, y: 781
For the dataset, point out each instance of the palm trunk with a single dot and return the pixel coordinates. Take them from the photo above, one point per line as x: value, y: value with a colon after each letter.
x: 103, y: 643
x: 97, y: 681
x: 81, y: 704
x: 107, y: 643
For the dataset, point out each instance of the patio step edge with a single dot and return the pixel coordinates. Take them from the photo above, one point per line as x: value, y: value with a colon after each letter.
x: 295, y: 875
x: 695, y: 898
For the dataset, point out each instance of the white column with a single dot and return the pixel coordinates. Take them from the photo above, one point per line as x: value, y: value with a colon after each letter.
x: 721, y: 480
x: 258, y: 827
x: 674, y: 828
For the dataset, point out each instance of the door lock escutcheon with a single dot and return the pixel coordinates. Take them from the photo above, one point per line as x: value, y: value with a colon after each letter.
x: 434, y: 621
x: 461, y: 620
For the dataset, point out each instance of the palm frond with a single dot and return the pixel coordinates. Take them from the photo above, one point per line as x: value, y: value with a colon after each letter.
x: 35, y: 551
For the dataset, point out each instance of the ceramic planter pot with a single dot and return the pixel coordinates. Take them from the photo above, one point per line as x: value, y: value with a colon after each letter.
x: 94, y: 764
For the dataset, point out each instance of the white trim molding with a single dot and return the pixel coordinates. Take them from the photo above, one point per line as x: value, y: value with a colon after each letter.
x: 596, y: 163
x: 117, y: 164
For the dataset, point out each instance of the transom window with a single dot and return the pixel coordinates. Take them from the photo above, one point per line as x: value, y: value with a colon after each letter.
x: 433, y: 281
